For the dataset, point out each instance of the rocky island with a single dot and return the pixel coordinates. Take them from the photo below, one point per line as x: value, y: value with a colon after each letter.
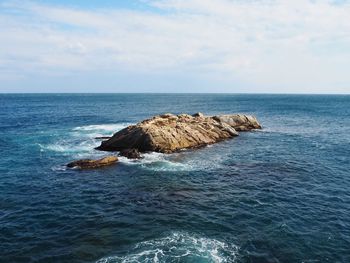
x: 170, y: 133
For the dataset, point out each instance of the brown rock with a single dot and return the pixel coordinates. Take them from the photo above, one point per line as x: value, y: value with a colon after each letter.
x: 91, y: 164
x: 239, y: 121
x: 169, y: 133
x: 130, y: 153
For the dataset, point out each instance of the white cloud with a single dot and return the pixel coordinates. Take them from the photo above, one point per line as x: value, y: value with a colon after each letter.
x: 265, y: 44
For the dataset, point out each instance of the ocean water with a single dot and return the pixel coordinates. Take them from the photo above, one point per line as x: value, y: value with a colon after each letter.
x: 281, y: 194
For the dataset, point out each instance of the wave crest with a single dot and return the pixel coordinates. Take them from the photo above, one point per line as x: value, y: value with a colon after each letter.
x: 178, y: 247
x: 159, y: 162
x: 80, y: 141
x: 103, y: 127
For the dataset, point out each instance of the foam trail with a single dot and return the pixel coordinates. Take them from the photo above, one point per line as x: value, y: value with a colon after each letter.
x: 178, y: 247
x: 158, y: 162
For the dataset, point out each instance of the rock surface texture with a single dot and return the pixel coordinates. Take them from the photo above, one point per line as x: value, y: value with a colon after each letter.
x: 130, y: 153
x: 91, y: 164
x: 169, y: 133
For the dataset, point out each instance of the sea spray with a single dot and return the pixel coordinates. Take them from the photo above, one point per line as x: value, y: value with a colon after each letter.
x: 178, y: 247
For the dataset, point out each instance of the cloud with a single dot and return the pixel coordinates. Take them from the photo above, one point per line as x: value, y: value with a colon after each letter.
x: 271, y: 45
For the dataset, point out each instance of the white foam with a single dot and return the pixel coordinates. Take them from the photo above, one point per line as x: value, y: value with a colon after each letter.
x: 70, y: 146
x: 158, y: 162
x: 80, y: 141
x: 59, y: 168
x: 177, y: 247
x: 93, y: 131
x: 103, y: 127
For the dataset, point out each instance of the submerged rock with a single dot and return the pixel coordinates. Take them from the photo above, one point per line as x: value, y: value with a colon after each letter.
x: 90, y: 164
x: 130, y: 153
x: 103, y: 138
x: 169, y: 133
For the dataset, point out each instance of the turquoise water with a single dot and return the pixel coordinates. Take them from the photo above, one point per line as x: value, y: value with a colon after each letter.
x: 276, y: 195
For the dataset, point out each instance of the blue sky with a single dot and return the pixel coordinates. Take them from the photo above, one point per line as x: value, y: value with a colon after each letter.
x: 262, y: 46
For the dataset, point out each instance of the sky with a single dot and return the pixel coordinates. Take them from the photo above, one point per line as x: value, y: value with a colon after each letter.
x: 219, y: 46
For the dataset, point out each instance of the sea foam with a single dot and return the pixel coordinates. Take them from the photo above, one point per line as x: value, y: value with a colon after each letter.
x: 103, y: 127
x: 178, y: 247
x: 80, y: 141
x: 159, y: 162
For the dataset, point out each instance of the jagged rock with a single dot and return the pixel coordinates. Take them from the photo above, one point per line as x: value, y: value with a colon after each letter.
x: 239, y: 121
x: 169, y: 133
x: 198, y: 114
x: 130, y: 153
x: 90, y: 164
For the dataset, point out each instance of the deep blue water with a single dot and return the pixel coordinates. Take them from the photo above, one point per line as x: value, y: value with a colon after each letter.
x: 277, y: 195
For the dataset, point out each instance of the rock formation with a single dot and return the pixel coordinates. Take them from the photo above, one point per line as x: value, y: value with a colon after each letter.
x: 130, y: 153
x: 169, y: 133
x: 91, y: 164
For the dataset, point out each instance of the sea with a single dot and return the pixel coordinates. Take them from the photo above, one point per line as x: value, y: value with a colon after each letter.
x: 280, y: 194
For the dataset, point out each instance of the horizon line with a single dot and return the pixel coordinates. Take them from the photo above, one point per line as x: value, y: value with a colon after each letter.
x: 164, y: 93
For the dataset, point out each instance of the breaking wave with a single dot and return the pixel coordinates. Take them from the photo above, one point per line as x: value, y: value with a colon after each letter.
x: 81, y: 141
x: 178, y: 247
x: 103, y: 127
x: 159, y: 162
